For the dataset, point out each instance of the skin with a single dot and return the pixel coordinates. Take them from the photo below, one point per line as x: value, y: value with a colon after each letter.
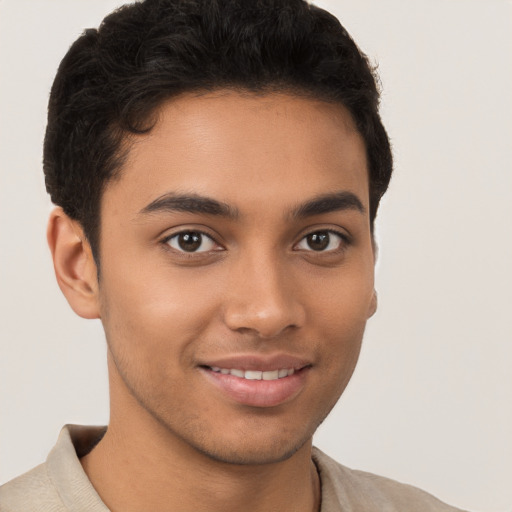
x: 257, y: 287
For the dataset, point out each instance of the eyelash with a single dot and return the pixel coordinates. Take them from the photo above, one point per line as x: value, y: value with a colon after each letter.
x: 344, y: 242
x: 190, y: 254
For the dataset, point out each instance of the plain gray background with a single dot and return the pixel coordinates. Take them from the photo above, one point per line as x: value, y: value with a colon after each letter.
x: 431, y: 400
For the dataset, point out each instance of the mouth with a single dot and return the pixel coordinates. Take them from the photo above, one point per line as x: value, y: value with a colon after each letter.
x: 258, y: 383
x: 254, y: 374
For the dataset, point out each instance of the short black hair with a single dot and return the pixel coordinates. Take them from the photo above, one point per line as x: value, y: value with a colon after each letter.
x: 113, y: 79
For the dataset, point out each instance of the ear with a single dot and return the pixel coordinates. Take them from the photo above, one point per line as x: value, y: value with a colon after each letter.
x: 74, y: 264
x: 372, y: 308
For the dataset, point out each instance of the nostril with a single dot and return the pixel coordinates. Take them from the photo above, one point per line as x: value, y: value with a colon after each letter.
x: 264, y: 331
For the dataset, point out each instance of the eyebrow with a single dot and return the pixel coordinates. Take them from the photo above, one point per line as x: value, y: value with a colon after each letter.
x: 326, y: 203
x: 194, y: 203
x: 190, y: 203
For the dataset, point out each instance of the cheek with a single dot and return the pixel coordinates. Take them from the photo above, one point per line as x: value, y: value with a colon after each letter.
x: 340, y: 314
x: 149, y: 316
x: 343, y: 301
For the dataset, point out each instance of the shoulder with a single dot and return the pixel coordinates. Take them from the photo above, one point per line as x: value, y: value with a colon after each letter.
x: 60, y: 484
x: 347, y: 489
x: 31, y: 492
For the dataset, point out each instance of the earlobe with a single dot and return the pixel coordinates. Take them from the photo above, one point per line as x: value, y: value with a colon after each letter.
x: 74, y: 264
x: 373, y: 304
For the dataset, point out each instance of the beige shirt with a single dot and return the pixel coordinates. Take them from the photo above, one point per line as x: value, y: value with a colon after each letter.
x: 61, y: 485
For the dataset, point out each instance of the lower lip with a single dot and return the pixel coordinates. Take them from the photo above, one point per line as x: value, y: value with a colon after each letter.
x: 258, y: 393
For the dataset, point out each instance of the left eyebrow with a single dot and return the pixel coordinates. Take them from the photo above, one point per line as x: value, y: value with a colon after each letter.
x: 327, y: 203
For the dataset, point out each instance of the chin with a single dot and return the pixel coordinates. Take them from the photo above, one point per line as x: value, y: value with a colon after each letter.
x: 253, y: 441
x: 244, y: 455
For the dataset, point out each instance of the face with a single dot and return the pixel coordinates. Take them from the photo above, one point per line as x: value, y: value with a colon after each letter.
x: 237, y: 271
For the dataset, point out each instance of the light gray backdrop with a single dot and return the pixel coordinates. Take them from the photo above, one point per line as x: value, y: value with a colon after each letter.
x: 431, y: 401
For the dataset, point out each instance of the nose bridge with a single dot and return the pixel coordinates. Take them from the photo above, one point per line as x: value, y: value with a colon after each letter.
x: 261, y: 295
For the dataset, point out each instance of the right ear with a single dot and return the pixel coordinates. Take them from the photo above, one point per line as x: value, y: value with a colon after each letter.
x: 74, y: 264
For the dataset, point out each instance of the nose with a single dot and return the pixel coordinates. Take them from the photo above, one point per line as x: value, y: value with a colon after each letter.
x: 262, y: 299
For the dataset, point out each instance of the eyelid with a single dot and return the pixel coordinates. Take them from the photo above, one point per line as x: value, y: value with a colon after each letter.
x: 345, y: 239
x: 190, y: 229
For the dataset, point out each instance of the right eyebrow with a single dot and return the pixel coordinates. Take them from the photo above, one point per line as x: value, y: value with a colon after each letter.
x: 190, y: 203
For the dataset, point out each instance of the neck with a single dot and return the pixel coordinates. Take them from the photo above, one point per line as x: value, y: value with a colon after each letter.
x: 140, y: 465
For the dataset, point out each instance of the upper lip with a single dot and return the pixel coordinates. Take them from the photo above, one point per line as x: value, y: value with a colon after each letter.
x: 258, y: 362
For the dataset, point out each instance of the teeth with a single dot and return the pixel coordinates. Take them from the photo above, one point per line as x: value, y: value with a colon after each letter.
x: 255, y: 374
x: 270, y: 375
x: 251, y: 375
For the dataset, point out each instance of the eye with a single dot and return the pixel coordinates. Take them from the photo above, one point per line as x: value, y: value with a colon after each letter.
x: 191, y: 241
x: 321, y: 241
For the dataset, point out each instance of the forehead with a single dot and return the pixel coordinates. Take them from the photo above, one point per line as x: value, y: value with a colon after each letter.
x: 245, y: 148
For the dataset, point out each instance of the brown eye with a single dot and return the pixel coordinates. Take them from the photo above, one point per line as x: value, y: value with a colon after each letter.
x: 318, y: 241
x: 191, y: 241
x: 321, y: 241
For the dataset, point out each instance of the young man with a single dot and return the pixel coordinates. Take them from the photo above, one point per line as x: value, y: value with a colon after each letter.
x: 217, y: 168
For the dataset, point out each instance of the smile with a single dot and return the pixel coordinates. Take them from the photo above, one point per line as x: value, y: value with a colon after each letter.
x: 255, y: 374
x: 258, y: 385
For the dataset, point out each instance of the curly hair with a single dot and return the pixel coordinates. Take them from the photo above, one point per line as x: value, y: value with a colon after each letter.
x: 113, y: 79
